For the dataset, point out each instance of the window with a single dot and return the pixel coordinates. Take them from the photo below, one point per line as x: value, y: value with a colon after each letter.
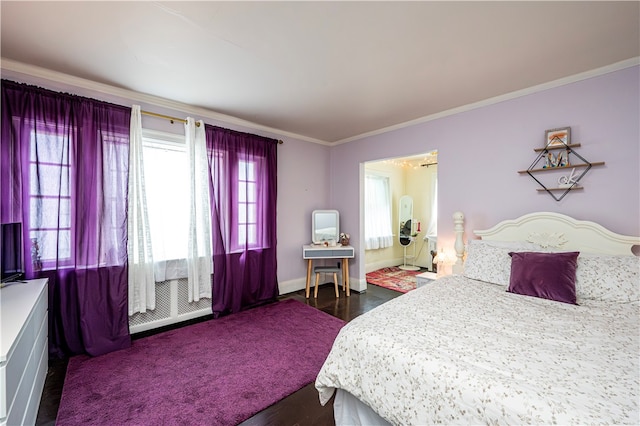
x: 52, y: 204
x: 377, y: 226
x: 243, y: 211
x: 167, y: 188
x: 115, y: 175
x: 247, y: 204
x: 49, y: 198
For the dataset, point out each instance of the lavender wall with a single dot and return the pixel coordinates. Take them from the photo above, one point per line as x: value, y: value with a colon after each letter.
x: 481, y: 150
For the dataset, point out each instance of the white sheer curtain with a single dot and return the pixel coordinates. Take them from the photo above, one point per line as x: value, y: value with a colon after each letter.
x: 167, y: 178
x: 432, y: 229
x: 199, y: 253
x: 377, y: 224
x: 142, y: 289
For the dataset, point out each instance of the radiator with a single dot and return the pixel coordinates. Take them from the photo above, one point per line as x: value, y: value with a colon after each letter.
x: 172, y: 306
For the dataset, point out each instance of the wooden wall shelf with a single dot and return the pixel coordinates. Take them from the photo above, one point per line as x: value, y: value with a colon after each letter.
x: 563, y: 146
x: 574, y: 188
x: 549, y: 169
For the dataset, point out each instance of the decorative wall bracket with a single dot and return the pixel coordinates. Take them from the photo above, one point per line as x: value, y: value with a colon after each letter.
x: 556, y: 144
x: 546, y: 161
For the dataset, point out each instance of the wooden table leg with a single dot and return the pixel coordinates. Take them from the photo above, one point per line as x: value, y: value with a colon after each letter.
x: 343, y: 283
x: 309, y: 262
x: 345, y: 276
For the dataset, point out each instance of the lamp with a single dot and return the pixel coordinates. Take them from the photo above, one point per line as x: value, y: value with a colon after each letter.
x: 442, y: 259
x: 437, y: 258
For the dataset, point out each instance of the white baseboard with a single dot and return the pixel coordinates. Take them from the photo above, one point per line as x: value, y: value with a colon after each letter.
x: 285, y: 287
x: 290, y: 286
x: 358, y: 285
x: 370, y: 267
x: 386, y: 263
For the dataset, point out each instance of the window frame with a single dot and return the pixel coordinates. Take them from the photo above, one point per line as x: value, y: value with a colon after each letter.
x: 243, y: 227
x: 39, y: 129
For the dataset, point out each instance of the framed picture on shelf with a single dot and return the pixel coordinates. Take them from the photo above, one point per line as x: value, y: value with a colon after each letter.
x: 558, y: 137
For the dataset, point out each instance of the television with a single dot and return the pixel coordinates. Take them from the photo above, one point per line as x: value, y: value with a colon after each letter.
x: 11, y: 252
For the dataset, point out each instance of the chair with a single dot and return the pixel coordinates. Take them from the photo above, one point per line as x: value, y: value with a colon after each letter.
x: 323, y: 270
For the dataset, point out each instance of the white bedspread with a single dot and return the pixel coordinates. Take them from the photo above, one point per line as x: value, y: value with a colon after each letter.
x: 460, y: 351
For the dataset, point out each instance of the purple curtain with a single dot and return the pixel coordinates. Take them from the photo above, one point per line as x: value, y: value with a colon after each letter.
x: 64, y: 168
x: 243, y: 219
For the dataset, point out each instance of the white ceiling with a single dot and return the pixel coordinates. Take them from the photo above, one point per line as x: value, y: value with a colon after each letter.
x: 326, y: 71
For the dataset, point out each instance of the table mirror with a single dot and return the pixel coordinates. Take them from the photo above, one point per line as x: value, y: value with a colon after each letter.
x: 325, y: 226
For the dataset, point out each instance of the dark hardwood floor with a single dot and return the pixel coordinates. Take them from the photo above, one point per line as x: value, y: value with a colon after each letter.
x: 300, y: 408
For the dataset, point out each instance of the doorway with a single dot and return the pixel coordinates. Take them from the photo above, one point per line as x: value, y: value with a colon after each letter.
x: 414, y: 177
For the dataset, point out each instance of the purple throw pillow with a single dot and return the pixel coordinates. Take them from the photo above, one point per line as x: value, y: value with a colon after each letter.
x: 546, y: 275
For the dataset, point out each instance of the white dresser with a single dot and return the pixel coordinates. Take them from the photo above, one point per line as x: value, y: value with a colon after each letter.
x: 24, y: 350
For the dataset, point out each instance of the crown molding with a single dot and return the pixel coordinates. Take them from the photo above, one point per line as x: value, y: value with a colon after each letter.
x: 58, y: 77
x: 66, y: 79
x: 628, y: 63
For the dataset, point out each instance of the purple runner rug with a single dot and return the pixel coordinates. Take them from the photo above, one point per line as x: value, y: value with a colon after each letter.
x: 218, y: 372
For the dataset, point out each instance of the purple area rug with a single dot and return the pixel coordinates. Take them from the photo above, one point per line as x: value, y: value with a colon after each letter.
x: 219, y: 372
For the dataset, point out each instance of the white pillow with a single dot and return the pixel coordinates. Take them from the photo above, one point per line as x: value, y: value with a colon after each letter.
x: 490, y: 261
x: 608, y: 278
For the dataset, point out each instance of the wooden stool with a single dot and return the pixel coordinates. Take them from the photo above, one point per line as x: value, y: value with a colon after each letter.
x: 325, y: 269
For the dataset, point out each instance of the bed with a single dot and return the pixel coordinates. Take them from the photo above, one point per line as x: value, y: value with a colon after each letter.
x: 539, y: 326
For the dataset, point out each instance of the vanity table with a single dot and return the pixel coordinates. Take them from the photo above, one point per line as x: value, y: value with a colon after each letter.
x: 311, y: 252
